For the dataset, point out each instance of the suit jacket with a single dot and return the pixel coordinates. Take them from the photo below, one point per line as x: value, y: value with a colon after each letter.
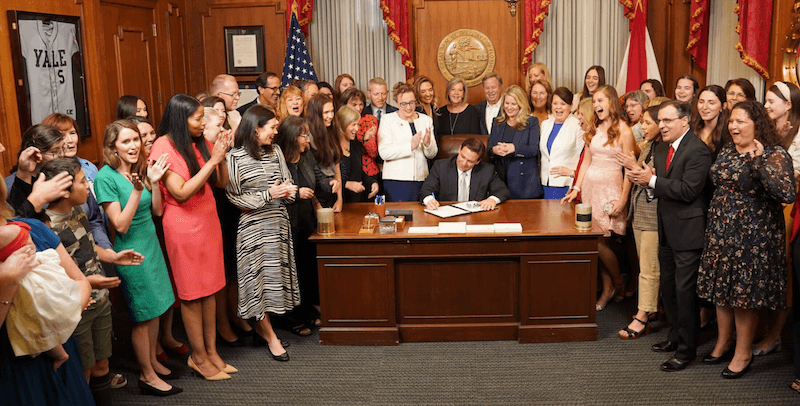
x: 521, y: 169
x: 369, y: 110
x: 481, y: 107
x: 322, y: 184
x: 443, y: 181
x: 682, y: 201
x: 356, y: 174
x: 566, y: 150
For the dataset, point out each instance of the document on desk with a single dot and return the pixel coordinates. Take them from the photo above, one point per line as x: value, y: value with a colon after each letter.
x: 507, y: 228
x: 456, y: 209
x: 423, y: 230
x: 480, y: 228
x: 452, y: 227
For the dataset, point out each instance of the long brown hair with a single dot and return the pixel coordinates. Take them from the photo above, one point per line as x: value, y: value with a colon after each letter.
x: 110, y: 156
x: 614, y: 115
x: 328, y: 150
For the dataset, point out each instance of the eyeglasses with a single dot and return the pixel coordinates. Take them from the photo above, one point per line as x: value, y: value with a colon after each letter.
x: 406, y: 104
x: 307, y: 135
x: 56, y: 153
x: 274, y: 89
x: 732, y: 95
x: 239, y: 94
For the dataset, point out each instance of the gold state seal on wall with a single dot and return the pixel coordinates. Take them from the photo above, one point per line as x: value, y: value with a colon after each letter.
x: 466, y: 53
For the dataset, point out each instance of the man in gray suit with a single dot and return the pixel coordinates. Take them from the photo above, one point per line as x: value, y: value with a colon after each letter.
x: 464, y: 178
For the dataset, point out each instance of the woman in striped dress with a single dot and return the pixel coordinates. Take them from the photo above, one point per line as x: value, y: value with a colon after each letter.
x: 261, y: 186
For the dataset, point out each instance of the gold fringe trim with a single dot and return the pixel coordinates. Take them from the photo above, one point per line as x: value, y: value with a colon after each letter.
x: 698, y: 11
x: 751, y: 62
x: 692, y: 44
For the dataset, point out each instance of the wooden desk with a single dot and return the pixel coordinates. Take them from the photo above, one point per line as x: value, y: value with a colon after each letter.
x: 534, y: 286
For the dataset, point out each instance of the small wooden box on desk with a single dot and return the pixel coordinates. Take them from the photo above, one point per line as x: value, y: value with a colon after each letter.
x: 535, y: 286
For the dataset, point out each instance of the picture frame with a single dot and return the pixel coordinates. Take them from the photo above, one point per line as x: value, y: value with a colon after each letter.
x: 46, y: 52
x: 244, y: 50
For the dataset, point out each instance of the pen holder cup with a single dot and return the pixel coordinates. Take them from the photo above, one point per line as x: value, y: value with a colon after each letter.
x: 325, y: 222
x: 583, y: 216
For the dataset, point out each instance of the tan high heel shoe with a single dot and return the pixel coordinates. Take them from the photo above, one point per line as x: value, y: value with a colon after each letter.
x: 220, y: 376
x: 230, y: 369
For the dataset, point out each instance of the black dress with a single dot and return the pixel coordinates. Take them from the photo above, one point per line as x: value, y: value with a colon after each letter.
x: 744, y: 260
x: 465, y: 122
x: 352, y: 170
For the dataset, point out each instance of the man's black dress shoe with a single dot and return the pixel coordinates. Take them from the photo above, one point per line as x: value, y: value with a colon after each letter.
x: 665, y: 346
x: 674, y: 364
x: 726, y: 356
x: 728, y: 374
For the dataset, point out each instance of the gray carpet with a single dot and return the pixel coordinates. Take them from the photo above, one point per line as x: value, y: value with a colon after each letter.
x: 609, y: 371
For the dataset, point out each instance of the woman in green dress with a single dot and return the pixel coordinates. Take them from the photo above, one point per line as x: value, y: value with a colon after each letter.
x: 123, y: 186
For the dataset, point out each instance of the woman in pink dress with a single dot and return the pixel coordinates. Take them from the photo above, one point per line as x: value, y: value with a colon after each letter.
x: 191, y: 227
x: 603, y: 186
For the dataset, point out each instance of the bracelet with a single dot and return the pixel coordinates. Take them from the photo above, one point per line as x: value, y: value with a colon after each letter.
x: 576, y: 188
x: 6, y: 302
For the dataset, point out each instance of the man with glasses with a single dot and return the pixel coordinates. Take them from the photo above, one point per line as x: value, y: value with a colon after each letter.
x: 682, y: 162
x: 226, y: 88
x: 268, y: 86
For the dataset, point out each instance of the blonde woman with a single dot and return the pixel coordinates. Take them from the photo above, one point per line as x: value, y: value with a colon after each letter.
x: 291, y: 103
x: 536, y: 71
x: 358, y: 187
x: 514, y: 146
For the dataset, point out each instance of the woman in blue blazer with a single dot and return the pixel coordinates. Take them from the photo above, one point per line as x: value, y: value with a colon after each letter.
x: 514, y: 146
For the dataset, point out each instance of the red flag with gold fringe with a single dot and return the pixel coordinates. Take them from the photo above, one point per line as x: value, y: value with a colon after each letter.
x: 698, y: 32
x: 395, y: 14
x: 755, y: 25
x: 304, y: 10
x: 535, y: 13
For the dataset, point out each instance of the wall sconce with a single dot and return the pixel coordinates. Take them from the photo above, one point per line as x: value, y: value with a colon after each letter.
x: 512, y: 4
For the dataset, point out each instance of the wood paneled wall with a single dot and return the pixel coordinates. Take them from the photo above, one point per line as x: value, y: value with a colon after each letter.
x: 121, y: 55
x: 435, y: 19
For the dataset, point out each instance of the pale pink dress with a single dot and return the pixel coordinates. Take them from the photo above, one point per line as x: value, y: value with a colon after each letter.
x: 602, y: 183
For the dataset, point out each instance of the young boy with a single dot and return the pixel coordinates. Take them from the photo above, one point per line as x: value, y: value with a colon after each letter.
x: 69, y: 222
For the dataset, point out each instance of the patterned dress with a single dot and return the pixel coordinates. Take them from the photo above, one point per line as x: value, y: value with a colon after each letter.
x: 602, y: 184
x: 744, y: 260
x: 264, y: 251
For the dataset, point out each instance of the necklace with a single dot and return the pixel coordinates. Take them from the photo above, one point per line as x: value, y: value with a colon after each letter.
x: 452, y: 123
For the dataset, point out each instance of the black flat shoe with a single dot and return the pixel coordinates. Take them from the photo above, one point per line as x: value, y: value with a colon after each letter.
x: 146, y: 389
x: 726, y: 356
x: 674, y: 365
x: 728, y: 374
x: 171, y: 376
x: 664, y: 346
x: 282, y: 358
x: 259, y: 341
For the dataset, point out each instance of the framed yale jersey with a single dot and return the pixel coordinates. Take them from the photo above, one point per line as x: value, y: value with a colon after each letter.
x: 47, y: 68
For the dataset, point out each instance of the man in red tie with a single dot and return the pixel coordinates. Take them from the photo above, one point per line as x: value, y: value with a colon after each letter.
x: 682, y: 162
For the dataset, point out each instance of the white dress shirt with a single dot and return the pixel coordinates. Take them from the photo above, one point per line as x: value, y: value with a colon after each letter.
x: 491, y: 113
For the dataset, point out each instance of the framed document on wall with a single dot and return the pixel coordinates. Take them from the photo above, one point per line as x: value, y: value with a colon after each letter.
x: 244, y: 50
x: 48, y: 68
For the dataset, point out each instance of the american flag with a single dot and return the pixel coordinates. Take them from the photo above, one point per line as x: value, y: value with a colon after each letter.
x: 297, y: 64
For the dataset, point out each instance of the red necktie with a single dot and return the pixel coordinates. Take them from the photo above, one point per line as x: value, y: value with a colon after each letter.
x: 669, y: 155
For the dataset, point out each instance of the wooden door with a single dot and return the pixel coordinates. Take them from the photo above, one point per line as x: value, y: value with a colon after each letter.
x: 435, y: 19
x: 176, y: 43
x: 131, y: 53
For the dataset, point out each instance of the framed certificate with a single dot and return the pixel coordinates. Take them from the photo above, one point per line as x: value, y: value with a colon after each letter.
x: 244, y: 50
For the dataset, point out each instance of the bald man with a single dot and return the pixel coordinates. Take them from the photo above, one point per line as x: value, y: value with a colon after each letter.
x: 226, y: 88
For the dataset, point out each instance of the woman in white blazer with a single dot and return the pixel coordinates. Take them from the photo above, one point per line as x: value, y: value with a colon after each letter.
x: 405, y: 143
x: 560, y: 146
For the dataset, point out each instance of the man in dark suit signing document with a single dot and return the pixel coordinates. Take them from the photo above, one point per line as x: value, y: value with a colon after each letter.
x: 464, y: 178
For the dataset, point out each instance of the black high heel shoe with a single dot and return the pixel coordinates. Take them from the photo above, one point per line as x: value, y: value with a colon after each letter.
x: 146, y: 389
x: 726, y: 356
x: 238, y: 343
x: 171, y: 376
x: 728, y: 374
